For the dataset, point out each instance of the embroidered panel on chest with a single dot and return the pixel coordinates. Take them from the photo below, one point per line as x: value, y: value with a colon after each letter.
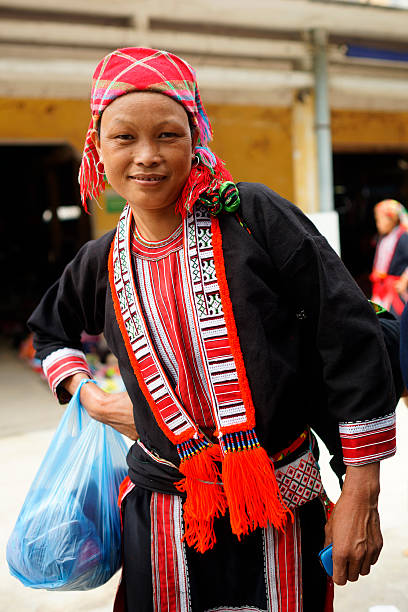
x: 203, y: 274
x: 141, y: 351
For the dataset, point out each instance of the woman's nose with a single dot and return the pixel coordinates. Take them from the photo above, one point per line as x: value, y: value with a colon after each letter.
x: 146, y: 153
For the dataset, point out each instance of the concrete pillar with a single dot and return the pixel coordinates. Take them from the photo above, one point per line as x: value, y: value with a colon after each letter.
x: 323, y: 131
x: 304, y: 152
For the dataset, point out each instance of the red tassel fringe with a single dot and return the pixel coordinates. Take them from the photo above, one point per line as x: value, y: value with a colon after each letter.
x: 253, y: 495
x: 205, y: 497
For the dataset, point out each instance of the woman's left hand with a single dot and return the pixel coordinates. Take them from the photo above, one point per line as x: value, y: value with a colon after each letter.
x: 354, y: 525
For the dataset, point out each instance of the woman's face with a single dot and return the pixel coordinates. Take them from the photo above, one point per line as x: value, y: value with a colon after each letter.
x: 385, y: 224
x: 146, y: 147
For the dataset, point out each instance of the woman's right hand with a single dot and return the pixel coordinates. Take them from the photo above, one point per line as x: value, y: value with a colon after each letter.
x: 114, y: 409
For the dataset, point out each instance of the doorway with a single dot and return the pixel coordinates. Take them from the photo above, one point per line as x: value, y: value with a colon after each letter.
x: 42, y: 226
x: 360, y: 181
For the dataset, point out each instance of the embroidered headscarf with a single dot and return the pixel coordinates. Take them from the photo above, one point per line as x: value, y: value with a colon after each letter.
x: 139, y: 69
x: 393, y: 209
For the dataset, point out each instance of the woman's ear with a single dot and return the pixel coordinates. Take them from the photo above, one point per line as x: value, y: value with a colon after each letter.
x: 97, y: 142
x: 194, y: 139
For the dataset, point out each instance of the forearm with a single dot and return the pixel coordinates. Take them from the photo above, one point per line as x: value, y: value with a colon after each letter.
x: 114, y: 409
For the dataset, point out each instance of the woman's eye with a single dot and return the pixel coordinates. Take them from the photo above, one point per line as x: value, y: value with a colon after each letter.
x: 124, y: 137
x: 168, y: 135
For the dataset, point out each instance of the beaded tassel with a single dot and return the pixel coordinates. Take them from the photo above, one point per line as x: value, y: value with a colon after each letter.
x: 205, y: 495
x: 253, y: 495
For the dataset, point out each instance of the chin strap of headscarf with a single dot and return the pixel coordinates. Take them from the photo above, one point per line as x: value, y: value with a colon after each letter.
x: 139, y: 69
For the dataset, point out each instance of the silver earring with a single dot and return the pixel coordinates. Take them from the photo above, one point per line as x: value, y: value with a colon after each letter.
x: 195, y: 161
x: 97, y: 169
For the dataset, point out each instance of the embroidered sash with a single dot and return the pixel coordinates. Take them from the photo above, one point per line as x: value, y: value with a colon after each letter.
x: 246, y: 467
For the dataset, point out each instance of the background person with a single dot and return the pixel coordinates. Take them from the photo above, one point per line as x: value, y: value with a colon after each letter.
x: 202, y: 292
x: 390, y: 269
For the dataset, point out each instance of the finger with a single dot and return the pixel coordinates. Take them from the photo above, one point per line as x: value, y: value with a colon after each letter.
x: 365, y: 567
x: 340, y: 570
x: 354, y: 568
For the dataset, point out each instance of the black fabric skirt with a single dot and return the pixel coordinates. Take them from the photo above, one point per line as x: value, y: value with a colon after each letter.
x: 266, y: 571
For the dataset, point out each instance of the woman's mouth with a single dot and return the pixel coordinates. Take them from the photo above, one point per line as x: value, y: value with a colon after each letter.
x: 148, y: 178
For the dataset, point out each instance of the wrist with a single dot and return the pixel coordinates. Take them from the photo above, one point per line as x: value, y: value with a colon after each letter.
x: 363, y: 481
x: 71, y: 383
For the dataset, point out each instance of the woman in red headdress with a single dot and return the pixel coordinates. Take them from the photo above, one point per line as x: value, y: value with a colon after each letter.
x: 219, y: 300
x: 390, y: 269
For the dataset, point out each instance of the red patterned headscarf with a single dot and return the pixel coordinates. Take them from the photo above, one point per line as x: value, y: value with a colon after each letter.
x: 139, y: 69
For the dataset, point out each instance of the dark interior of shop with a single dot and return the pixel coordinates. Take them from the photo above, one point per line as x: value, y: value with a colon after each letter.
x: 42, y: 227
x: 361, y: 180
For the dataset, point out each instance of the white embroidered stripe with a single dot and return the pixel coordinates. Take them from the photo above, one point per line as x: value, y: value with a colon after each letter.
x: 226, y: 412
x: 372, y: 425
x: 179, y: 546
x: 181, y: 430
x: 142, y: 353
x: 218, y: 321
x: 225, y: 376
x: 55, y: 356
x: 275, y: 588
x: 241, y: 609
x: 368, y: 431
x: 221, y: 366
x: 156, y: 395
x: 220, y: 332
x: 236, y: 420
x: 155, y: 384
x: 176, y: 422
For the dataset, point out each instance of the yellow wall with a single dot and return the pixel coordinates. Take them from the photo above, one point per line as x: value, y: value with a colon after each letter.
x: 361, y: 130
x: 256, y: 144
x: 254, y: 141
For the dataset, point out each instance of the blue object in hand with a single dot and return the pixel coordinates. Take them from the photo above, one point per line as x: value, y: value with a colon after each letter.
x: 326, y: 559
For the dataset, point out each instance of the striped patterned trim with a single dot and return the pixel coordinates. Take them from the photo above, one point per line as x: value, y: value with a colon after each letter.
x: 169, y: 412
x: 154, y: 456
x: 368, y: 441
x: 209, y: 319
x: 241, y: 609
x: 169, y: 564
x: 217, y: 347
x: 283, y: 567
x: 63, y: 363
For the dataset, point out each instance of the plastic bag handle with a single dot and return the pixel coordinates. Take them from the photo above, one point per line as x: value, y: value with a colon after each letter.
x: 76, y: 397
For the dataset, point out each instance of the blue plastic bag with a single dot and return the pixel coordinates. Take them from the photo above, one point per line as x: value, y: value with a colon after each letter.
x: 68, y: 536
